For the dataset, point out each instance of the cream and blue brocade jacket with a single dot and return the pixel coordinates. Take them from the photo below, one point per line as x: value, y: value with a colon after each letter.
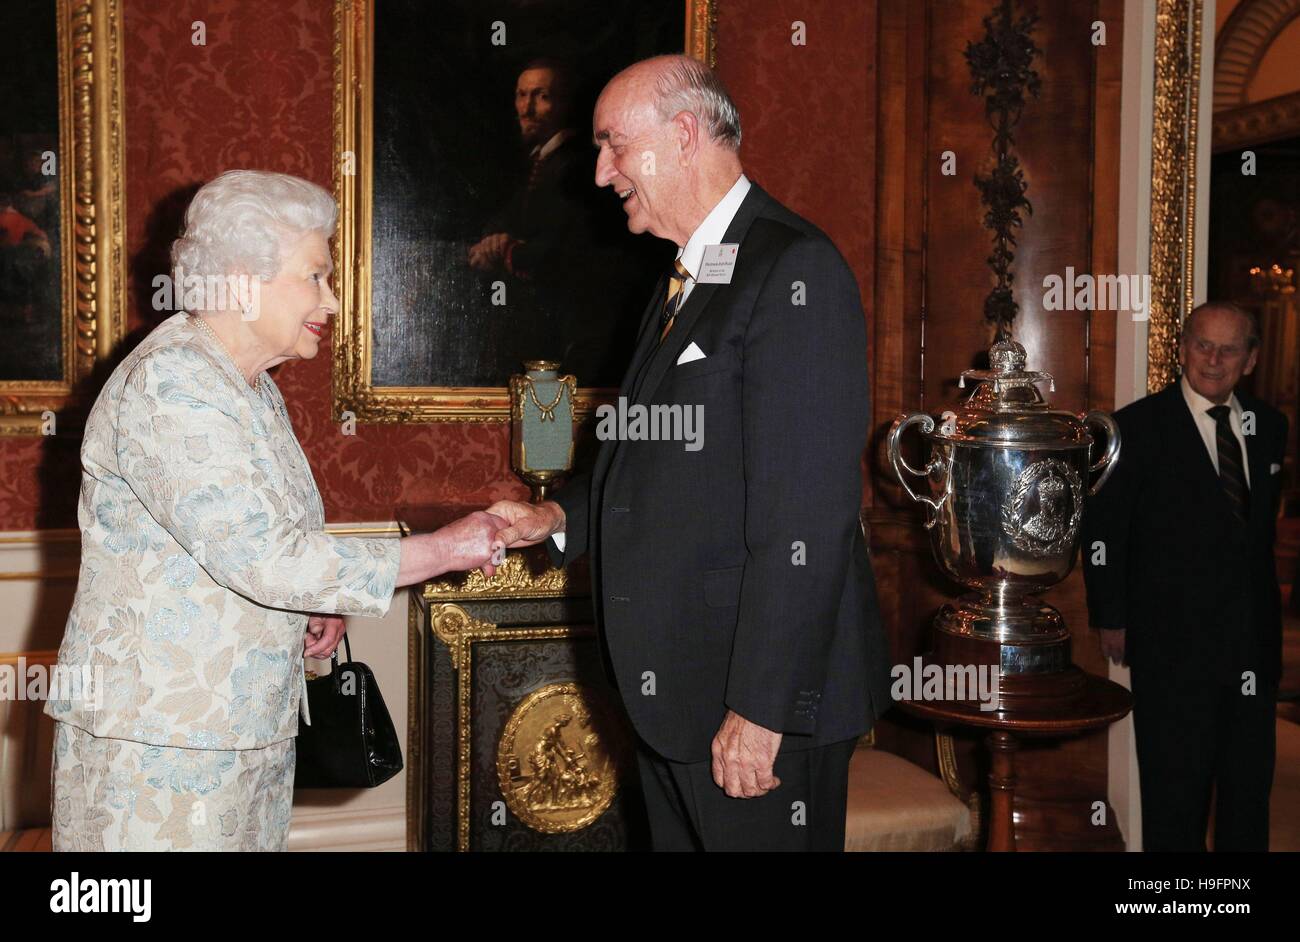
x: 202, y: 550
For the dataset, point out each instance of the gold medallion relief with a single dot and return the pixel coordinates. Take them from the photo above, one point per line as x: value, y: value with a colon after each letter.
x: 557, y: 773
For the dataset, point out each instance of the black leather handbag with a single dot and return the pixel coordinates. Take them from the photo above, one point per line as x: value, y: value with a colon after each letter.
x: 351, y: 742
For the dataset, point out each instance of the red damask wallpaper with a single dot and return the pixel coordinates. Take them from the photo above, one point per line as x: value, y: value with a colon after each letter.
x: 258, y: 94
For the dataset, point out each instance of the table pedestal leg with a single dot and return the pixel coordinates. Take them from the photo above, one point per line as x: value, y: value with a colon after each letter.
x: 1002, y: 790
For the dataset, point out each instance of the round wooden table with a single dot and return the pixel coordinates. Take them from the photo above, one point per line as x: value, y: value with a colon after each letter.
x: 1100, y: 703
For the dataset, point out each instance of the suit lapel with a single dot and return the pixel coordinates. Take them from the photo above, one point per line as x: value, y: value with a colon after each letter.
x: 646, y: 338
x: 1188, y: 436
x: 645, y: 345
x: 701, y: 294
x: 1257, y: 461
x: 666, y: 353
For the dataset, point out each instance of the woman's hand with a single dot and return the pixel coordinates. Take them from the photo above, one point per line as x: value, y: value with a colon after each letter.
x: 467, y: 543
x: 457, y: 547
x: 323, y: 635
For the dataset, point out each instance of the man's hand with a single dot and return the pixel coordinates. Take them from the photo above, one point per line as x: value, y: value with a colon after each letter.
x: 489, y: 252
x: 528, y: 524
x: 323, y: 635
x: 743, y: 756
x: 1112, y: 644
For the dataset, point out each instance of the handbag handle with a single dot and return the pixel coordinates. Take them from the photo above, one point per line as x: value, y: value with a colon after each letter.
x: 334, y: 663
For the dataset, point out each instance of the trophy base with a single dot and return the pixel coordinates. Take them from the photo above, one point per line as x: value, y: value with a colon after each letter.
x: 1027, y: 636
x: 1026, y: 640
x: 1028, y: 697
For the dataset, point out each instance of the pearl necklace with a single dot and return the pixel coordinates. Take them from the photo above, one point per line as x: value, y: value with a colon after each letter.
x: 256, y: 384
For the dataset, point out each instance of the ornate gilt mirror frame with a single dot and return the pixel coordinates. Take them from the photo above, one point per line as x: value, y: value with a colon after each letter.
x: 1173, y: 182
x: 353, y: 389
x: 91, y: 178
x: 1242, y: 42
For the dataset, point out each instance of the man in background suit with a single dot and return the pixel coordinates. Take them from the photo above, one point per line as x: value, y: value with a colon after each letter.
x: 538, y: 217
x: 732, y: 583
x: 1187, y: 588
x: 554, y: 226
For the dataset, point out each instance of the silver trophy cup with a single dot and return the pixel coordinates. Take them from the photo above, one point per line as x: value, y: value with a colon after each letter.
x: 1004, y: 490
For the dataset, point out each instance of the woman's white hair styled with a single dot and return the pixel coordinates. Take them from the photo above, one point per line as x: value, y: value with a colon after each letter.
x: 238, y: 222
x: 690, y: 85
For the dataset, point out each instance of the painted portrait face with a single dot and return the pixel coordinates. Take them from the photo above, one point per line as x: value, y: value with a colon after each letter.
x: 538, y: 105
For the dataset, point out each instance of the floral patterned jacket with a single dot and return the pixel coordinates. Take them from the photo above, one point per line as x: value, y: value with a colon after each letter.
x: 202, y: 548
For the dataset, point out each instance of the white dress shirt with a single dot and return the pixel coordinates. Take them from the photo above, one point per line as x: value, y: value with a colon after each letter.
x: 1200, y: 408
x: 542, y: 151
x: 710, y: 232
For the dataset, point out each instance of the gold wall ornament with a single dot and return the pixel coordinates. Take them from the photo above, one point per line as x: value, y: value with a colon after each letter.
x: 557, y: 772
x: 1173, y: 182
x: 454, y: 627
x: 460, y: 631
x: 353, y: 179
x: 92, y: 176
x: 515, y: 578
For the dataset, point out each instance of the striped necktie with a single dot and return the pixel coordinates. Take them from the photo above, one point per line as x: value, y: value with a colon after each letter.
x: 676, y: 291
x: 1232, y: 474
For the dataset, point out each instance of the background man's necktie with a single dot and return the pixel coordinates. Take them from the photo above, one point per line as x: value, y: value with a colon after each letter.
x: 535, y: 169
x: 1232, y: 464
x: 676, y: 285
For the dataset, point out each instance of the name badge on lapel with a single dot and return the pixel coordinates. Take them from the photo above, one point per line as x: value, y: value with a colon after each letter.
x: 718, y: 263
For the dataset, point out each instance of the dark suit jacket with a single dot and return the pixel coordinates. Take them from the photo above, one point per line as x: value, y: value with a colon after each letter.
x: 1195, y: 591
x: 692, y: 551
x: 581, y: 277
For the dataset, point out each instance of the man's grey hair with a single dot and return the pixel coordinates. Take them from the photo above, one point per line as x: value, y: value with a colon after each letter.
x: 690, y: 85
x: 239, y: 222
x: 1247, y: 318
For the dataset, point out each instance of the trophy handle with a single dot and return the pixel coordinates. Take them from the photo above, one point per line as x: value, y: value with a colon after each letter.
x: 1106, y: 463
x: 902, y: 468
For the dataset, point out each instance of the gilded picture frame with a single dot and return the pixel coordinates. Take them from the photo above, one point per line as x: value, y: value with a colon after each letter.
x: 356, y: 394
x: 1174, y: 143
x: 90, y: 178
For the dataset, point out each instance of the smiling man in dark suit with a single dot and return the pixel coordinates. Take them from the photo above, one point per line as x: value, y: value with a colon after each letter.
x: 1185, y: 587
x: 733, y: 587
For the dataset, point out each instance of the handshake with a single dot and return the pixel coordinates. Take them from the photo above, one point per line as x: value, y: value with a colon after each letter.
x: 479, y: 540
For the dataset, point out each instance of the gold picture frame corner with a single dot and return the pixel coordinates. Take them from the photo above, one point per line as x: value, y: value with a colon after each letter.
x: 92, y: 211
x: 353, y: 115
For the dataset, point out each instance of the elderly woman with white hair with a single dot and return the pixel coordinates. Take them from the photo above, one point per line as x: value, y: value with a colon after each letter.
x: 206, y: 575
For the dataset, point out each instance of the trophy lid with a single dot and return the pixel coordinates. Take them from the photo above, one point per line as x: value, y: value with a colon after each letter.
x: 1007, y: 407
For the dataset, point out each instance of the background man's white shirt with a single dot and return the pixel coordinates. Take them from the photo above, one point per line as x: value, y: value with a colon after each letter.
x: 542, y: 151
x: 1209, y: 429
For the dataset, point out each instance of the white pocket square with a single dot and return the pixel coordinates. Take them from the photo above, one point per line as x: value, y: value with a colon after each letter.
x: 690, y: 354
x: 1274, y: 468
